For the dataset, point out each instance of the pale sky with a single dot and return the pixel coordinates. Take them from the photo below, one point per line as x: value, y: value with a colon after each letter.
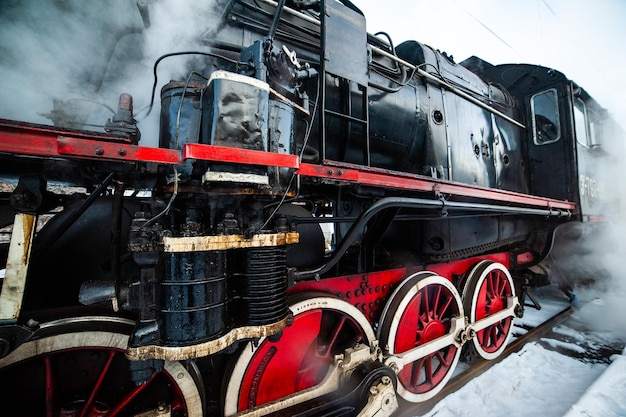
x: 581, y: 38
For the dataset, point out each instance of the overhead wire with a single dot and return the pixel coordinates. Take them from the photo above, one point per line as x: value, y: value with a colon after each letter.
x: 490, y: 30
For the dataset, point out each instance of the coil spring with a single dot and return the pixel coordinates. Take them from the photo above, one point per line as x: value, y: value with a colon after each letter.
x: 259, y: 280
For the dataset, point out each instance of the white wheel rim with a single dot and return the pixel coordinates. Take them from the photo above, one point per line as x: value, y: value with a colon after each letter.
x: 112, y: 340
x: 476, y: 278
x: 394, y: 315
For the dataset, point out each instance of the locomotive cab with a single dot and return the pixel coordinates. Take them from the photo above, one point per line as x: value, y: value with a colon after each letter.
x: 564, y: 127
x: 569, y: 140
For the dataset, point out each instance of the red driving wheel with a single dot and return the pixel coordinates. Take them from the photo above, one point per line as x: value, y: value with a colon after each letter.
x: 421, y: 310
x: 74, y: 373
x: 322, y: 328
x: 489, y: 286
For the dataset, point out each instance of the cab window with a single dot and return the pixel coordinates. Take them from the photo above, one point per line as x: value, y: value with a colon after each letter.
x: 545, y: 117
x: 586, y: 128
x: 594, y: 136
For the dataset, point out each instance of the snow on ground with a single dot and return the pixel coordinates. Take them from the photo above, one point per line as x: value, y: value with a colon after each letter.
x: 532, y: 382
x: 570, y: 372
x: 550, y: 299
x: 607, y: 396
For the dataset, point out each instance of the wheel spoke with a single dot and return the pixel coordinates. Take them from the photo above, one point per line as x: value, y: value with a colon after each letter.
x: 494, y: 287
x: 446, y: 305
x: 96, y: 388
x: 495, y: 334
x: 420, y: 314
x: 416, y: 371
x: 428, y: 372
x: 445, y: 362
x: 130, y: 396
x: 335, y: 331
x: 307, y: 374
x: 426, y: 305
x: 436, y: 303
x: 49, y: 387
x: 491, y: 285
x: 501, y: 284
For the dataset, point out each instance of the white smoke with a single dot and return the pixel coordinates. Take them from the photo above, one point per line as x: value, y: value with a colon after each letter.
x: 602, y: 300
x: 55, y: 50
x: 87, y: 53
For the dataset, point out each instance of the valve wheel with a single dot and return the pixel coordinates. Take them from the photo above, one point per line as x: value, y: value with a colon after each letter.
x: 322, y: 327
x: 489, y: 285
x: 421, y: 310
x: 73, y: 372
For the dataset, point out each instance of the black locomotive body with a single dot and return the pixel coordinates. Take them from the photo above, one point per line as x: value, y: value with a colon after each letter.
x: 328, y: 224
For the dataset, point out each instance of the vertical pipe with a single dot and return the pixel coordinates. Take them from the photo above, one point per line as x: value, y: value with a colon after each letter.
x: 18, y: 259
x: 322, y: 80
x: 116, y: 230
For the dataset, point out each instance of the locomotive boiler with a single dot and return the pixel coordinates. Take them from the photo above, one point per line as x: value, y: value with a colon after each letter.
x: 326, y: 225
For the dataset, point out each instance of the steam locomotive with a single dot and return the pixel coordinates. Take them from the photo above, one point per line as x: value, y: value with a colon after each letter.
x: 329, y: 223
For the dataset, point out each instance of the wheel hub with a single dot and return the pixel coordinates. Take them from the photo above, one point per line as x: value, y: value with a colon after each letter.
x: 432, y: 331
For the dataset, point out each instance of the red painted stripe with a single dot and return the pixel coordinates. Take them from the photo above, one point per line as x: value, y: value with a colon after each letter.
x: 239, y: 155
x: 27, y: 143
x: 406, y: 181
x: 36, y: 140
x: 115, y: 151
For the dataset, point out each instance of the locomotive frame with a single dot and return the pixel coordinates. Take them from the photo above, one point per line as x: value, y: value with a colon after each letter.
x: 201, y: 280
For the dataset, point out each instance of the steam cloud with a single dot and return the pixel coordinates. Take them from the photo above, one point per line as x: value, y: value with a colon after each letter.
x: 592, y: 263
x: 602, y: 303
x: 87, y: 53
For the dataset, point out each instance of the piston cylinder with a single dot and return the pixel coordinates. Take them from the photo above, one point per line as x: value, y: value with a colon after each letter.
x: 193, y: 298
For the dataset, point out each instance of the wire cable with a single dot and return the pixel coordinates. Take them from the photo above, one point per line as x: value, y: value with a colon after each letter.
x: 172, y: 54
x: 293, y: 175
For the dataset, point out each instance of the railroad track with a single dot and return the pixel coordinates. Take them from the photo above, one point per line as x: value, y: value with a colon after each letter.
x: 481, y: 366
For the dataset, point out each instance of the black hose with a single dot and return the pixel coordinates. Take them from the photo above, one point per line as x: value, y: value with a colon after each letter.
x: 279, y: 10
